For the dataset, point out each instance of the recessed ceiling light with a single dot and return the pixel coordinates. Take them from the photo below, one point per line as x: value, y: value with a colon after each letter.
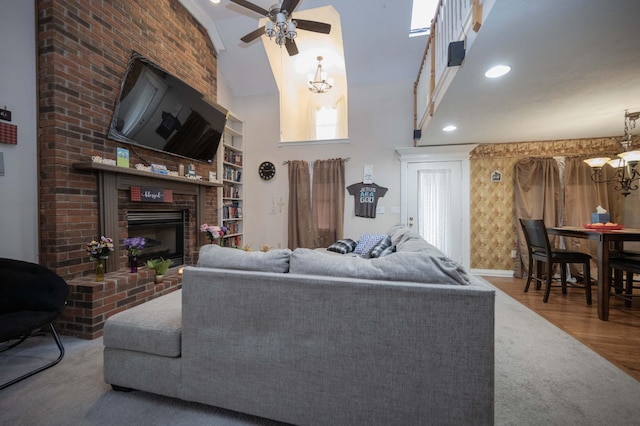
x: 215, y: 1
x: 449, y: 128
x: 497, y: 71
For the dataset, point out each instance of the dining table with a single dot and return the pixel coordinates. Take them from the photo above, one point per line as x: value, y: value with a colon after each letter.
x: 608, y: 241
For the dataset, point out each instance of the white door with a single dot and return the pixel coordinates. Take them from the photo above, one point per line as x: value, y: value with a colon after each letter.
x: 434, y: 204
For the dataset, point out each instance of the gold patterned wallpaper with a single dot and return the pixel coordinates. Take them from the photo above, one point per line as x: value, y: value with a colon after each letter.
x: 493, y: 221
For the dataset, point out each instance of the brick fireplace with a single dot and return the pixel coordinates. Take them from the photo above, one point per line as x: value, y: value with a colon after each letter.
x: 83, y: 49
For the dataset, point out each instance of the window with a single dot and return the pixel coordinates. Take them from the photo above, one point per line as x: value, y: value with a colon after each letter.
x: 326, y: 123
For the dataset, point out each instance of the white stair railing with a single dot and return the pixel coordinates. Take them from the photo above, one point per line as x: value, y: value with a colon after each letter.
x: 453, y: 20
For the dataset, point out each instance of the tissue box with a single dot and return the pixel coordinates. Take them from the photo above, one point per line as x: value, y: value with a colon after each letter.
x: 600, y: 217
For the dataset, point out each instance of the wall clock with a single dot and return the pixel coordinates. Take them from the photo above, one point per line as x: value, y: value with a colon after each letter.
x: 267, y: 170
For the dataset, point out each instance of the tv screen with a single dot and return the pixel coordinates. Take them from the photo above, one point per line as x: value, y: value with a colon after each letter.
x: 158, y: 111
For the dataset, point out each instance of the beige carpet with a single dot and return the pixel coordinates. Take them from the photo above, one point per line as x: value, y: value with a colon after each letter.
x: 543, y: 377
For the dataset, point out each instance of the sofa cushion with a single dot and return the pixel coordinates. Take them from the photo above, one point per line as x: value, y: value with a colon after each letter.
x: 407, y: 240
x: 410, y: 266
x: 214, y: 256
x: 379, y: 248
x: 366, y: 243
x: 343, y: 246
x: 155, y: 327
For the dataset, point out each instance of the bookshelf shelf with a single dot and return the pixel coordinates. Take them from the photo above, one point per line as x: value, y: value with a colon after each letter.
x: 230, y: 195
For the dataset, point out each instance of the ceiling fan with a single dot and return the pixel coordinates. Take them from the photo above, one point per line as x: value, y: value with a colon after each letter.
x: 281, y: 24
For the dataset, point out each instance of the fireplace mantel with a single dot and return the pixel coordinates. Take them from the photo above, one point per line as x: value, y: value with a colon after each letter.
x: 100, y: 167
x: 114, y: 178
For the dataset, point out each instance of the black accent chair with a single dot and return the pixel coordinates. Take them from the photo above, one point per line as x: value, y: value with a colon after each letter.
x: 540, y: 251
x: 31, y: 298
x: 630, y: 266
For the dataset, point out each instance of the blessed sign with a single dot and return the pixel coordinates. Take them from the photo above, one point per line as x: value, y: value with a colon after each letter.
x: 151, y: 195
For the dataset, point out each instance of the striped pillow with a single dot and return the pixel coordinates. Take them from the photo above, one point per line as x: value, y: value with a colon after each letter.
x: 343, y: 246
x: 381, y: 247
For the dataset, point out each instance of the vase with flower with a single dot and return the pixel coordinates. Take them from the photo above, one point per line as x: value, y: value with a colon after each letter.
x: 99, y: 251
x: 134, y: 247
x: 215, y: 233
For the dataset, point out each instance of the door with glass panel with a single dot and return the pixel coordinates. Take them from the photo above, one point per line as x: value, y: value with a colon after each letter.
x: 434, y: 204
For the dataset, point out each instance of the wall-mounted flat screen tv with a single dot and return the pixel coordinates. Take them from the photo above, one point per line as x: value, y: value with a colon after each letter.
x: 157, y: 110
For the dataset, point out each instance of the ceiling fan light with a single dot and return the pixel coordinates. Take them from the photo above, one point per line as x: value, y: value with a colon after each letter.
x: 268, y: 29
x: 281, y: 21
x: 291, y: 30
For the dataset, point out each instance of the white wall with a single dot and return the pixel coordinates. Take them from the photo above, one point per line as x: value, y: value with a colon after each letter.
x: 380, y: 119
x: 18, y: 186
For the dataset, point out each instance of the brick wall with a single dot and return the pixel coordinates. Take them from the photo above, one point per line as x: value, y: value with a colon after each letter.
x: 83, y: 49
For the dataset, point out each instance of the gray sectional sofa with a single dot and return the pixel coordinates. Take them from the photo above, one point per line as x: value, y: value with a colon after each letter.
x: 306, y: 338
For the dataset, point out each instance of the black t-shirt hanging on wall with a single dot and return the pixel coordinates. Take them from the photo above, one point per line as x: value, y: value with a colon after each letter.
x: 366, y: 198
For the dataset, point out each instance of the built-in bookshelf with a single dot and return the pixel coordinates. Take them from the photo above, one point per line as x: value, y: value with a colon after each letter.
x: 230, y: 163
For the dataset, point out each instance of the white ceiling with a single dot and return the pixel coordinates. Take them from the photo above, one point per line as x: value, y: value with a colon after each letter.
x: 575, y: 64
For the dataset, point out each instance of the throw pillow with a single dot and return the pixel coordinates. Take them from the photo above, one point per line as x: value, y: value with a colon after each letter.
x: 382, y: 245
x: 388, y: 251
x: 343, y: 246
x: 214, y: 256
x: 366, y: 243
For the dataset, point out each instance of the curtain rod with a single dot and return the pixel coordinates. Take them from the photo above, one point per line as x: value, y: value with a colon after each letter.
x: 345, y: 160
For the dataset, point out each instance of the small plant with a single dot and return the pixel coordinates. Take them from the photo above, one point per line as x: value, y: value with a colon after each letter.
x: 159, y: 265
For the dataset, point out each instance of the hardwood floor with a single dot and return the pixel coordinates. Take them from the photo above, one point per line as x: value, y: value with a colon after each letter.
x: 617, y: 340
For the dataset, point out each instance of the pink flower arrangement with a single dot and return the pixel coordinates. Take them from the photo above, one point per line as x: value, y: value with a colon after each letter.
x: 214, y: 232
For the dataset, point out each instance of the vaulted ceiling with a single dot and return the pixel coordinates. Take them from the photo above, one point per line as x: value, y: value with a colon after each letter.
x: 575, y: 64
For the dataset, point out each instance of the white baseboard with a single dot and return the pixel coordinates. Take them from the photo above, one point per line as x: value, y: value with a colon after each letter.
x: 492, y: 272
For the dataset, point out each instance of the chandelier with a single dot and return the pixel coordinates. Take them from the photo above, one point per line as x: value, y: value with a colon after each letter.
x: 625, y: 174
x: 318, y: 82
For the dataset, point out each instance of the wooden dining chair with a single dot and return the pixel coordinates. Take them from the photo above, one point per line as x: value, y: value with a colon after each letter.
x: 628, y: 265
x: 541, y: 252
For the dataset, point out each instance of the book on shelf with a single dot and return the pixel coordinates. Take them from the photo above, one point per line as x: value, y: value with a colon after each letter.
x: 231, y: 211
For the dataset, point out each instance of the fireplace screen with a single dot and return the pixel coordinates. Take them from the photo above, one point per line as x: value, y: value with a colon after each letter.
x: 163, y: 231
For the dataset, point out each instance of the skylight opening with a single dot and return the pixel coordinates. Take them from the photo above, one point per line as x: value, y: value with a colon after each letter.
x: 423, y: 13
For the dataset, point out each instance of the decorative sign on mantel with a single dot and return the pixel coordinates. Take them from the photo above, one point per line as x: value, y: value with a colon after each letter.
x: 151, y: 195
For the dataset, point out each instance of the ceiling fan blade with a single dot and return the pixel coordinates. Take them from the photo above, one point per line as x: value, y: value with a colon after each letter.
x: 318, y: 27
x: 251, y: 6
x: 253, y: 35
x: 291, y: 46
x: 289, y: 5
